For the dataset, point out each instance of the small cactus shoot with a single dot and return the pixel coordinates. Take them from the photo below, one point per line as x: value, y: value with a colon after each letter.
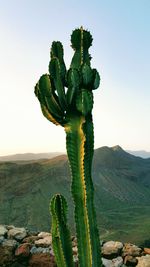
x: 66, y: 99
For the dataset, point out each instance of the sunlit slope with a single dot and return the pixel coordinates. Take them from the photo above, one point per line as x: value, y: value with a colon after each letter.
x: 122, y: 192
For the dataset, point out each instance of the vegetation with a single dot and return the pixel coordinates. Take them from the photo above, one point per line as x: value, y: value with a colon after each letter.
x: 72, y: 109
x: 122, y: 193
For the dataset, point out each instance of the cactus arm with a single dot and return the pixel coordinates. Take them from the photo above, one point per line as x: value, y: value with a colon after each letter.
x: 81, y: 41
x: 61, y: 240
x: 55, y: 71
x: 49, y: 104
x: 48, y: 115
x: 58, y: 52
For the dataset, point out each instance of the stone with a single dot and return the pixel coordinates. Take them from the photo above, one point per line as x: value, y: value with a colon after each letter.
x: 10, y: 243
x: 2, y: 238
x: 7, y: 251
x: 111, y: 249
x: 23, y: 250
x: 35, y: 250
x: 17, y: 233
x: 132, y: 250
x: 75, y: 250
x: 117, y: 262
x: 74, y: 241
x: 30, y: 239
x: 44, y: 242
x: 3, y: 230
x: 41, y: 260
x: 75, y: 260
x: 130, y: 261
x: 143, y: 261
x: 43, y: 234
x: 10, y: 227
x: 147, y: 251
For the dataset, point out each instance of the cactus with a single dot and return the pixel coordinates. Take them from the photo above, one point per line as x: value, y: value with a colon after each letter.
x: 66, y: 99
x: 61, y: 236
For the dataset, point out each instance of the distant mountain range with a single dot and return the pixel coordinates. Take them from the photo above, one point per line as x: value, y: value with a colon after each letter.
x: 140, y: 153
x: 36, y: 156
x: 29, y: 156
x: 122, y: 193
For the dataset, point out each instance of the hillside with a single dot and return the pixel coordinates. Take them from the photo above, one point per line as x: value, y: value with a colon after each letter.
x: 122, y: 193
x: 29, y: 156
x: 140, y: 153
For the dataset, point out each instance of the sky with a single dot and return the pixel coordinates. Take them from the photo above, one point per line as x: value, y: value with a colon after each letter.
x: 120, y: 52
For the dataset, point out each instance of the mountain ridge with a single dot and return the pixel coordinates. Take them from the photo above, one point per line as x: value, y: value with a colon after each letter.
x: 122, y: 192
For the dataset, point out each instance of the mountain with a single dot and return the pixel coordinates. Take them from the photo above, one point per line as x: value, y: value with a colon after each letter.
x: 122, y: 193
x: 29, y: 156
x: 140, y: 153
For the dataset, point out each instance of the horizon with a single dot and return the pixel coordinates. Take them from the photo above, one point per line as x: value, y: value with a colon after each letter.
x: 65, y: 152
x: 120, y: 52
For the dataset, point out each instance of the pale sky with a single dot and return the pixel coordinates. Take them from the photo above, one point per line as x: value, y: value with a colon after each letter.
x: 120, y: 51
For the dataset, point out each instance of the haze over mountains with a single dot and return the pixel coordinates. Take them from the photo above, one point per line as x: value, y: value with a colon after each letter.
x: 122, y: 193
x: 36, y: 156
x: 29, y: 156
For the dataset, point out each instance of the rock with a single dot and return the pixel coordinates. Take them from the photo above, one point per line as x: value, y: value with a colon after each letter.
x: 2, y: 238
x: 9, y: 243
x: 75, y: 259
x: 74, y: 241
x: 7, y: 251
x: 23, y: 250
x: 17, y: 233
x: 10, y: 227
x: 3, y: 230
x: 147, y: 251
x: 130, y: 261
x: 111, y: 249
x: 43, y: 234
x: 44, y: 242
x: 75, y: 250
x: 132, y: 250
x: 35, y: 250
x: 42, y: 260
x: 117, y: 262
x: 30, y: 239
x: 143, y: 261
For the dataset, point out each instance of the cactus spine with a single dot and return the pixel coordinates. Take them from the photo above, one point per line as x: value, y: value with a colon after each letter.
x: 72, y: 109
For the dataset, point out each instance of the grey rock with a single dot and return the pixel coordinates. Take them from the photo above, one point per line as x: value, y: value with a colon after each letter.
x: 1, y: 239
x: 3, y: 230
x: 75, y: 258
x: 7, y: 252
x: 111, y: 249
x: 9, y: 243
x: 17, y: 233
x: 117, y: 262
x: 10, y: 227
x: 35, y: 250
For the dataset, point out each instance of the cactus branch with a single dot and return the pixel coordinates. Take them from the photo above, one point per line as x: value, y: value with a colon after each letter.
x: 61, y: 240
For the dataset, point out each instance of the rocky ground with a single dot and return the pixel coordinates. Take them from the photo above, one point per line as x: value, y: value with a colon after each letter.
x: 20, y: 247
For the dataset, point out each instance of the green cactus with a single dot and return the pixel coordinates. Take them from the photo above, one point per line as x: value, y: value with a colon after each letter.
x: 66, y: 99
x: 61, y: 236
